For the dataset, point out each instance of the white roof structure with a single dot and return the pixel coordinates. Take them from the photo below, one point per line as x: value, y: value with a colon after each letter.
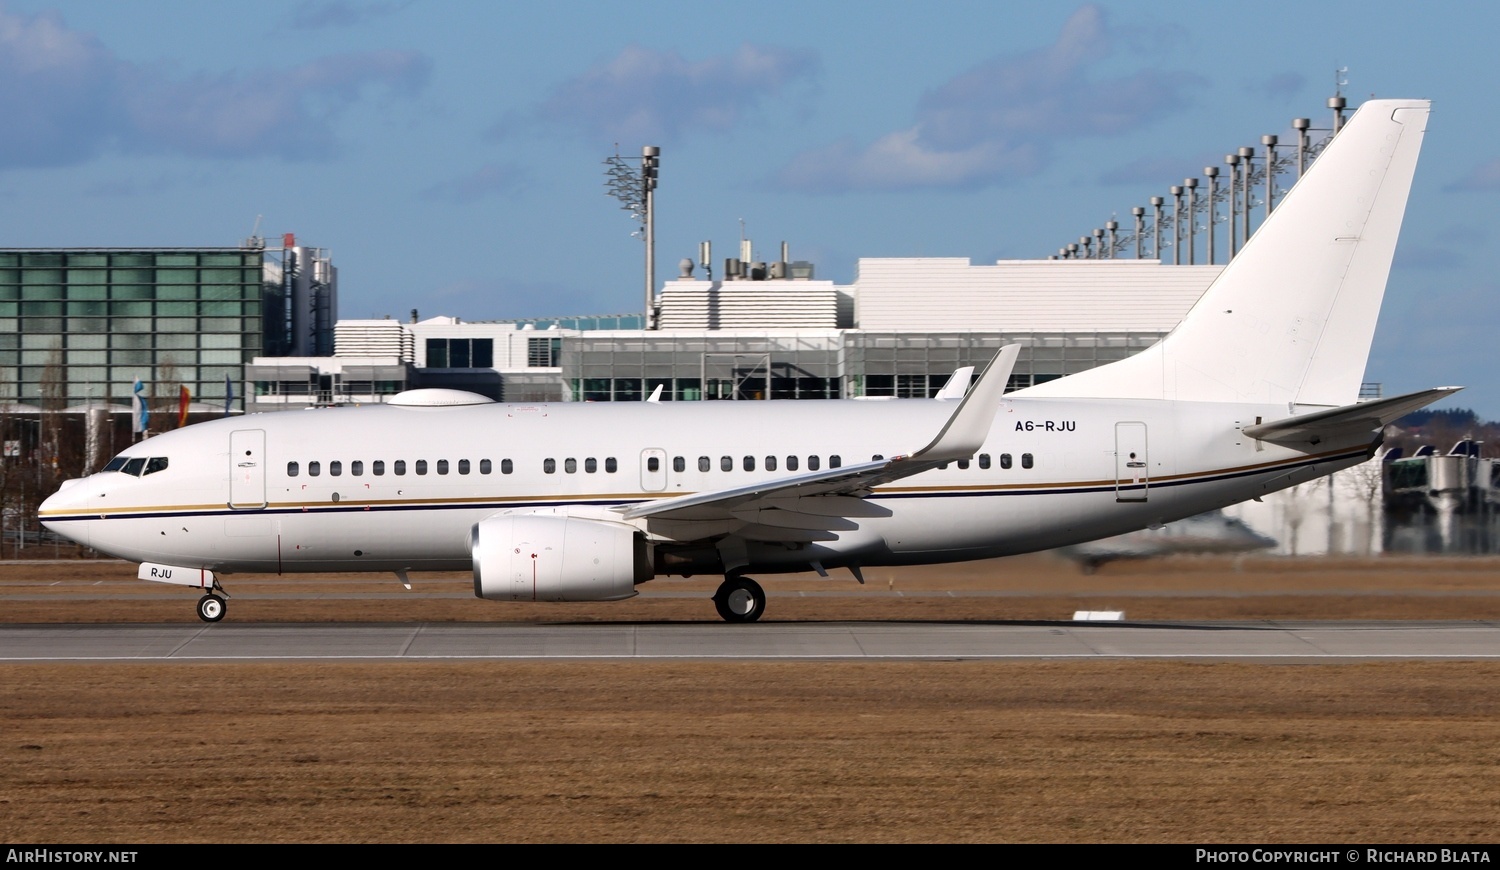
x: 373, y: 338
x: 774, y: 304
x: 932, y: 294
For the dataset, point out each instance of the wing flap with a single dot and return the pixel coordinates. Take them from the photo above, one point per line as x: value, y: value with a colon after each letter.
x: 785, y: 519
x: 785, y: 536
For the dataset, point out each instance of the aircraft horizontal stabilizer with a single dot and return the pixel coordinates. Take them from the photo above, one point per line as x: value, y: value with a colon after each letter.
x: 958, y: 384
x: 960, y: 438
x: 1346, y: 421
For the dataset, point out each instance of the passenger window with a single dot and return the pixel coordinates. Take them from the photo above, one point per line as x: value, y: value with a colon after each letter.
x: 963, y: 463
x: 984, y: 460
x: 876, y: 458
x: 506, y: 466
x: 1026, y: 461
x: 570, y: 465
x: 314, y: 468
x: 679, y: 463
x: 549, y: 466
x: 335, y: 468
x: 591, y: 465
x: 770, y: 463
x: 1005, y: 460
x: 421, y: 466
x: 943, y: 467
x: 610, y: 465
x: 463, y: 466
x: 791, y: 463
x: 119, y: 462
x: 653, y: 463
x: 291, y: 469
x: 377, y: 467
x: 442, y: 466
x: 749, y: 463
x: 726, y: 463
x: 134, y: 466
x: 155, y: 464
x: 813, y: 463
x: 704, y: 463
x: 835, y: 461
x: 399, y: 467
x: 357, y: 468
x: 485, y: 467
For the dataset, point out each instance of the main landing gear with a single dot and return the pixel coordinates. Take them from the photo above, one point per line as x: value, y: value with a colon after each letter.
x: 740, y: 599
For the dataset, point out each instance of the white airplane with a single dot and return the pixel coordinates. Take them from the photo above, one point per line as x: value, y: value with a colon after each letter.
x: 1254, y: 391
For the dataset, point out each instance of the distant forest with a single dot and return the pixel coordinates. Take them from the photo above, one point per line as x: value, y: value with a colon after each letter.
x: 1443, y: 429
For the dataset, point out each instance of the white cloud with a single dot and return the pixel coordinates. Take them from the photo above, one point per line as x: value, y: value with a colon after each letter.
x: 902, y: 160
x: 643, y: 95
x: 1280, y: 86
x: 340, y: 13
x: 492, y: 179
x: 1485, y: 176
x: 67, y: 98
x: 1000, y: 119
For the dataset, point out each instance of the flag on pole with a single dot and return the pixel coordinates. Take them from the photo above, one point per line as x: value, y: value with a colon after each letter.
x: 183, y: 397
x: 228, y: 396
x: 139, y: 414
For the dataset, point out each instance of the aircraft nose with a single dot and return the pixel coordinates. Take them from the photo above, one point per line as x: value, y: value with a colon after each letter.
x: 57, y: 511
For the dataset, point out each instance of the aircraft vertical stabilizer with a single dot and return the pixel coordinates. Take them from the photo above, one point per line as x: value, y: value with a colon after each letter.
x: 1291, y: 319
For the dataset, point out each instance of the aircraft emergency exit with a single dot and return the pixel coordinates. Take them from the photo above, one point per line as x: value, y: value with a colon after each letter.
x: 1255, y: 391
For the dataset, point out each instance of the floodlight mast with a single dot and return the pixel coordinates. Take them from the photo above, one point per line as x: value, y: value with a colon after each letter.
x: 650, y: 163
x: 636, y: 191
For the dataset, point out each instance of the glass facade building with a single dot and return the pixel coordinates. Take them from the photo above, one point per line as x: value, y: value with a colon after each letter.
x: 79, y: 326
x: 816, y: 364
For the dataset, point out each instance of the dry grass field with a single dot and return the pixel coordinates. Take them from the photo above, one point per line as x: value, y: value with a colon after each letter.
x: 1085, y: 751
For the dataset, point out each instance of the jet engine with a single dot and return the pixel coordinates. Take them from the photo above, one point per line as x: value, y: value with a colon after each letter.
x: 552, y: 556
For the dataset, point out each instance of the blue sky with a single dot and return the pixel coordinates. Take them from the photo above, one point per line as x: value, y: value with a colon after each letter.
x: 449, y: 153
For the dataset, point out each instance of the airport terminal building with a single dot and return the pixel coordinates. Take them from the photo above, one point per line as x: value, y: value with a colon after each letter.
x: 79, y: 326
x: 900, y: 329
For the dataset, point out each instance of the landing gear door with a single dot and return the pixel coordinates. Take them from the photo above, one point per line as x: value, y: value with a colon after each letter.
x: 1132, y: 466
x: 653, y: 469
x: 247, y: 469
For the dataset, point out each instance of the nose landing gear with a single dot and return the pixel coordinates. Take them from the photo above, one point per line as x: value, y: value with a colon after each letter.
x: 211, y: 608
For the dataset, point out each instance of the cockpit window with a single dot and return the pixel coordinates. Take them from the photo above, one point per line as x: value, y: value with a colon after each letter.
x: 136, y: 466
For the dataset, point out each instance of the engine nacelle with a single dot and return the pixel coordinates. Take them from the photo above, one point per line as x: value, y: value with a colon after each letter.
x: 556, y: 557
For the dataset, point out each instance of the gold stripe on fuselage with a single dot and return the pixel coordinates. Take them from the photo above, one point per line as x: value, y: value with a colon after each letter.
x: 633, y: 497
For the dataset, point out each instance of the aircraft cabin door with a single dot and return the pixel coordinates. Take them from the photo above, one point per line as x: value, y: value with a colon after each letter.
x: 1132, y: 468
x: 247, y: 469
x: 653, y: 469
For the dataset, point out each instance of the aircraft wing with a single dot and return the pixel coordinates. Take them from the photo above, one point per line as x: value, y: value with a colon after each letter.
x: 814, y: 505
x: 1346, y: 421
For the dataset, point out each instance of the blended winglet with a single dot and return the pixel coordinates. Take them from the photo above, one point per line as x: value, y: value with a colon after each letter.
x: 965, y: 431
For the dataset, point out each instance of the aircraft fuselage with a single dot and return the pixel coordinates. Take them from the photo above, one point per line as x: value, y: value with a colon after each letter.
x: 383, y: 488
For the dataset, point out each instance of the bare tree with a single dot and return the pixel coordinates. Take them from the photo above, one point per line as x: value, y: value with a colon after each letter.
x: 53, y: 466
x: 1367, y: 481
x: 165, y: 391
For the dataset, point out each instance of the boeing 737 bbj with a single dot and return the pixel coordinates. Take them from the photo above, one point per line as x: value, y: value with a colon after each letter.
x: 1254, y: 391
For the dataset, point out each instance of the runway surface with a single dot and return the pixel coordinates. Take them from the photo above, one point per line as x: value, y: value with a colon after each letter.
x: 1322, y: 642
